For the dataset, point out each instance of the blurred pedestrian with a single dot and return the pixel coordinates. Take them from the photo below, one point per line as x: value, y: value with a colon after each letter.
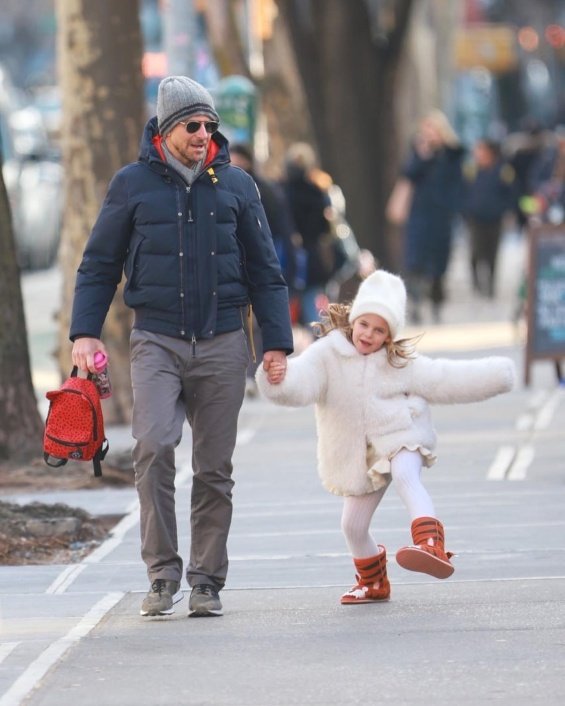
x: 490, y: 194
x: 547, y: 178
x: 291, y: 259
x: 523, y: 150
x: 190, y: 234
x: 372, y: 394
x: 531, y: 153
x: 310, y: 204
x: 434, y: 169
x: 279, y: 216
x: 366, y: 264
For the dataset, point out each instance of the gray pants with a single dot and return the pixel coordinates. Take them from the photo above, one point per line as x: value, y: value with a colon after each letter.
x: 171, y: 381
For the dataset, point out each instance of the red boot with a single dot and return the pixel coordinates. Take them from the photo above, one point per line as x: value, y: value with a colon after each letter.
x: 372, y: 582
x: 427, y: 554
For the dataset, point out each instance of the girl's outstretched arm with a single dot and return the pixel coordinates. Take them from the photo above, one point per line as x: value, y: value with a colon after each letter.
x: 444, y: 381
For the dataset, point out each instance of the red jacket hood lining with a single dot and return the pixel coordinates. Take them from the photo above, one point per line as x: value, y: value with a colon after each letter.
x: 213, y: 149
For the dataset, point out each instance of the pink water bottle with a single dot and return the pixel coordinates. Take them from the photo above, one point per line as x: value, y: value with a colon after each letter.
x: 102, y: 379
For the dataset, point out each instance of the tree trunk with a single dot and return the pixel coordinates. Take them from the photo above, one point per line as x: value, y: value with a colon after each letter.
x: 100, y: 50
x: 228, y: 46
x: 21, y: 427
x: 283, y: 100
x: 349, y: 55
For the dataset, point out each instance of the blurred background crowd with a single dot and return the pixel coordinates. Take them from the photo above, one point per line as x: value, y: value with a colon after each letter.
x: 378, y: 131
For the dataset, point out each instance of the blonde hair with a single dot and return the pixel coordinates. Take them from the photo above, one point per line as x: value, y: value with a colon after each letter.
x: 336, y: 316
x: 441, y: 124
x: 301, y: 155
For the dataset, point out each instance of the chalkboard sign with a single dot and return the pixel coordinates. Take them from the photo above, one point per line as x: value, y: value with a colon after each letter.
x: 546, y: 296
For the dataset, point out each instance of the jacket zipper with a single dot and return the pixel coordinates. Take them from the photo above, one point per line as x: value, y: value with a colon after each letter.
x: 181, y: 264
x: 189, y: 245
x: 190, y: 219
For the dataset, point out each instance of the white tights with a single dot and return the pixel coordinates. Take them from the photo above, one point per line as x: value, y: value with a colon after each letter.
x: 358, y: 510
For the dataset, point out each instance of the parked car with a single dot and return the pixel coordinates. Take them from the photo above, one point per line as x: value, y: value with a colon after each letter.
x: 34, y: 182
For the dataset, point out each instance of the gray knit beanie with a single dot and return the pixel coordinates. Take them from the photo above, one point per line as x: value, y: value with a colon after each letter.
x: 178, y: 98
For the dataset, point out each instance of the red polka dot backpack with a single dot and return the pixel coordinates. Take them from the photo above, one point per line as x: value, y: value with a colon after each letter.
x: 74, y: 428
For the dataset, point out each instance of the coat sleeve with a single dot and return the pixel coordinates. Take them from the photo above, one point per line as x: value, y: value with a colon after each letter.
x: 304, y: 383
x: 100, y: 270
x: 444, y: 381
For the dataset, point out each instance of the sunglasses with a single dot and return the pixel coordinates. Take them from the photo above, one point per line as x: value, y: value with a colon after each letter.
x: 193, y: 126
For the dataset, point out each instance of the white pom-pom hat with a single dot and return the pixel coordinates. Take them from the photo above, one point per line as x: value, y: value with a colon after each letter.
x: 384, y: 294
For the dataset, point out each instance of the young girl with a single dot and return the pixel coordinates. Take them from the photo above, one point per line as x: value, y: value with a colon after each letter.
x: 374, y: 425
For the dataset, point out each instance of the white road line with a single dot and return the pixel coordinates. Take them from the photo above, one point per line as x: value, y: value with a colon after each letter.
x: 503, y: 459
x: 71, y: 573
x: 293, y: 556
x: 521, y: 463
x: 545, y: 414
x: 68, y: 575
x: 116, y: 538
x: 538, y: 398
x: 29, y: 679
x: 412, y: 583
x: 181, y: 478
x: 244, y: 436
x: 288, y: 557
x: 541, y: 410
x: 6, y: 648
x: 65, y: 578
x: 525, y: 422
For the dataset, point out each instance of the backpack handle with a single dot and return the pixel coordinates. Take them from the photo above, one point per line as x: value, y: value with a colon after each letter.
x: 74, y: 373
x: 59, y: 461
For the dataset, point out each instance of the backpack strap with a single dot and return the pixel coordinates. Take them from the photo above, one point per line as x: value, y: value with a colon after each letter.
x: 59, y: 461
x: 98, y: 457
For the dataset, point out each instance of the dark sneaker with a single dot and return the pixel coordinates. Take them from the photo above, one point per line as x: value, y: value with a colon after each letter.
x: 204, y: 601
x: 161, y: 597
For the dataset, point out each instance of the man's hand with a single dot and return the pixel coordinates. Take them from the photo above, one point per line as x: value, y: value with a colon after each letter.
x: 274, y: 364
x: 83, y: 353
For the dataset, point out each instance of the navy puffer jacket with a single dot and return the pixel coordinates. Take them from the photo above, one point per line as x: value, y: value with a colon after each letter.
x: 193, y: 257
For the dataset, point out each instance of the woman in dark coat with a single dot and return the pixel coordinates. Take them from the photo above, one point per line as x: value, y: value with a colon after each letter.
x: 434, y: 168
x: 310, y: 204
x: 490, y: 193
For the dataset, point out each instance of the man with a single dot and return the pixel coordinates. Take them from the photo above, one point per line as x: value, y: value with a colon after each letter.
x: 191, y: 236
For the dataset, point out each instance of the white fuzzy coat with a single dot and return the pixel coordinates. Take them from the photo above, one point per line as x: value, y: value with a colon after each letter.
x: 367, y: 410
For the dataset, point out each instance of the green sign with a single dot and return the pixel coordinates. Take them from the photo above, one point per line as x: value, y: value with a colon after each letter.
x: 236, y: 103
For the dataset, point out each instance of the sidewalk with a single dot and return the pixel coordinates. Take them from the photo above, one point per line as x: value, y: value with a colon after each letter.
x: 73, y: 634
x: 492, y: 633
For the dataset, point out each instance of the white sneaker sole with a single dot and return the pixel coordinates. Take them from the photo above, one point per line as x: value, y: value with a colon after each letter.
x: 205, y: 613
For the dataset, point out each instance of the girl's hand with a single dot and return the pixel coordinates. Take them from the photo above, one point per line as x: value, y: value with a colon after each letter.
x: 274, y: 364
x: 276, y: 373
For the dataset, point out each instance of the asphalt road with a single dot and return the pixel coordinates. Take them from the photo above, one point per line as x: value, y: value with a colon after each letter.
x: 492, y: 633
